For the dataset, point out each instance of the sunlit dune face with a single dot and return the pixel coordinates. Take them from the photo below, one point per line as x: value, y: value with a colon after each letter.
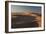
x: 38, y: 19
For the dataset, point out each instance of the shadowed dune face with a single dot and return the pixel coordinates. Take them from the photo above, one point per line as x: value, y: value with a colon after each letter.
x: 25, y: 20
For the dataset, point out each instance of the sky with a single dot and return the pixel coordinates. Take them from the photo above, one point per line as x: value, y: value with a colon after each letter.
x: 18, y: 8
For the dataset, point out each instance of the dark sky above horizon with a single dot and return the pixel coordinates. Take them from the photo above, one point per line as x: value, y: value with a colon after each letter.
x: 16, y: 8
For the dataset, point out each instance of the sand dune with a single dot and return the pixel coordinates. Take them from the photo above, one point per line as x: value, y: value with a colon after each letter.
x: 30, y: 16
